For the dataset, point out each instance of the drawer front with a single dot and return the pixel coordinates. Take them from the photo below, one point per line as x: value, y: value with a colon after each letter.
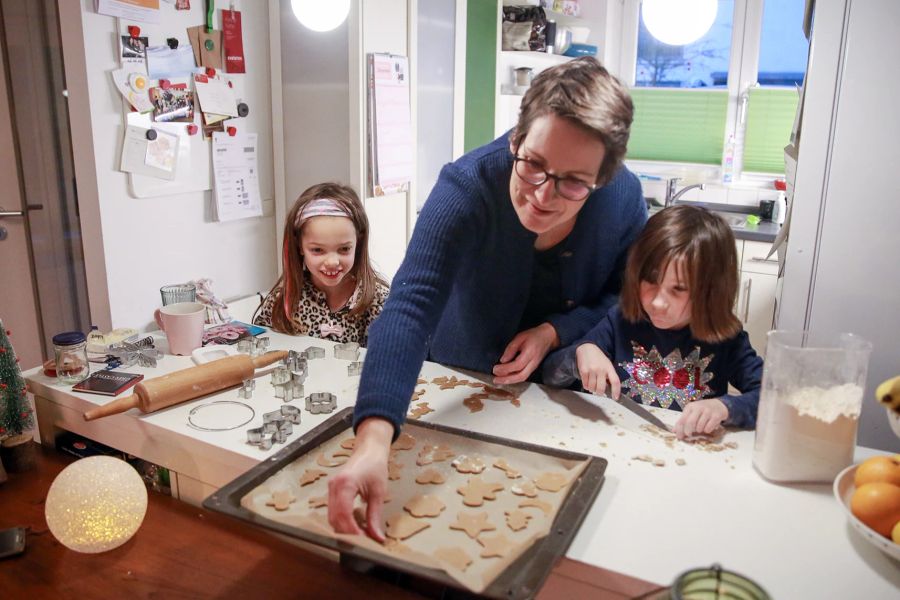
x: 754, y: 259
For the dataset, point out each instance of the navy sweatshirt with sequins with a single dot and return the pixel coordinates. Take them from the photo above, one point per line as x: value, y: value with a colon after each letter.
x: 459, y: 296
x: 682, y: 368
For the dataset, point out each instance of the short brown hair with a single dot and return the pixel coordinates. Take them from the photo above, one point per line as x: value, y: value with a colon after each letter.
x: 584, y: 92
x: 288, y: 288
x: 704, y: 244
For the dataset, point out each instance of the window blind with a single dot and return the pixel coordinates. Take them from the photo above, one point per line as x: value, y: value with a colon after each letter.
x: 678, y: 125
x: 770, y: 116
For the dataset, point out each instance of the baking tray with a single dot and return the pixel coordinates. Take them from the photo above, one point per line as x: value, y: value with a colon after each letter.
x: 521, y: 579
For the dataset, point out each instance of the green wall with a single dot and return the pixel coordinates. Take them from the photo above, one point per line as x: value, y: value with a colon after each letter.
x: 481, y: 68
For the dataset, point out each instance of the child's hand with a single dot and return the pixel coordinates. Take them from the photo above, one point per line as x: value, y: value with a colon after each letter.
x: 701, y: 416
x: 595, y: 370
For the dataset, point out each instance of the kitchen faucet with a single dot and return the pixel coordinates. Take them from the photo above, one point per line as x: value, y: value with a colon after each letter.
x: 672, y: 196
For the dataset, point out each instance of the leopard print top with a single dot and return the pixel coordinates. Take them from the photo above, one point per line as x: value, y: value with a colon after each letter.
x: 317, y: 320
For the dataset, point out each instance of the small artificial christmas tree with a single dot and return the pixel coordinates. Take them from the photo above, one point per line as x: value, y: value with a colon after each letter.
x: 16, y: 414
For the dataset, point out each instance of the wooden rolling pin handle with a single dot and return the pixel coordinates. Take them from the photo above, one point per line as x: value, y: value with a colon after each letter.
x: 114, y: 407
x: 269, y: 358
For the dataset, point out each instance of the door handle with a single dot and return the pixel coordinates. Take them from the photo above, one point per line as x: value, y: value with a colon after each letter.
x: 747, y: 300
x: 19, y: 213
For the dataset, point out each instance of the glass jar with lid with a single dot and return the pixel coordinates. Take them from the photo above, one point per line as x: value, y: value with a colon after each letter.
x: 72, y: 363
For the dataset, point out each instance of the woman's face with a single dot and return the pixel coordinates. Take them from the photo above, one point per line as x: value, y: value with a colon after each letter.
x: 561, y: 148
x: 328, y: 246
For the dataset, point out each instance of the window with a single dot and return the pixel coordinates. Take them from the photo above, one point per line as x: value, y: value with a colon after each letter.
x: 729, y: 96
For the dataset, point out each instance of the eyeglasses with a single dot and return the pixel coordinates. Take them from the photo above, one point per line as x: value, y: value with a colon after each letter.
x: 567, y: 187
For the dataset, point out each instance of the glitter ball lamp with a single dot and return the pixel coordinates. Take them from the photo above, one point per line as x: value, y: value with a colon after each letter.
x: 96, y: 504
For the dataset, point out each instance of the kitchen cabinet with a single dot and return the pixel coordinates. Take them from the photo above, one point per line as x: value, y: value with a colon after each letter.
x: 756, y: 293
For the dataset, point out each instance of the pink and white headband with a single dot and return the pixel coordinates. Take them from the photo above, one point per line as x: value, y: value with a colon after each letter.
x: 320, y: 207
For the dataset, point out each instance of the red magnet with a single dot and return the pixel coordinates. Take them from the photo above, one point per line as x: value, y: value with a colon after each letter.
x: 164, y: 84
x: 232, y: 131
x: 210, y: 72
x: 780, y: 185
x: 192, y: 129
x: 134, y: 31
x: 231, y: 85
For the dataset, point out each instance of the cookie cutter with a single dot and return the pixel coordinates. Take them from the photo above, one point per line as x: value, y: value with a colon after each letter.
x: 280, y: 376
x: 313, y: 352
x: 197, y: 409
x: 347, y: 351
x: 319, y: 403
x: 262, y: 343
x: 288, y: 391
x: 246, y: 391
x: 354, y: 369
x: 258, y: 436
x: 245, y: 346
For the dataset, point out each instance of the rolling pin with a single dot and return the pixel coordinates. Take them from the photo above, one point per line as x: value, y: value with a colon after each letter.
x: 187, y: 384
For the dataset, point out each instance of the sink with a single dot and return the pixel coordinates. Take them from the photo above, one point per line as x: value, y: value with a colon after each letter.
x: 734, y: 220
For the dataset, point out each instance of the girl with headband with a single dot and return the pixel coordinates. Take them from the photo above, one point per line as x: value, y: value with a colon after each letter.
x: 328, y: 288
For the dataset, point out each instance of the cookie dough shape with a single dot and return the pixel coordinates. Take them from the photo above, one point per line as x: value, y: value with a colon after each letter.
x: 311, y: 476
x: 323, y: 461
x: 455, y: 556
x: 551, y: 482
x: 424, y: 505
x: 318, y: 501
x: 420, y: 410
x: 402, y: 526
x: 546, y: 507
x: 476, y: 491
x: 473, y: 403
x: 430, y: 476
x: 511, y: 473
x: 472, y: 523
x: 404, y: 442
x: 495, y: 546
x: 468, y: 464
x: 349, y: 443
x: 394, y: 470
x: 429, y: 454
x: 281, y: 499
x: 517, y: 519
x: 524, y: 489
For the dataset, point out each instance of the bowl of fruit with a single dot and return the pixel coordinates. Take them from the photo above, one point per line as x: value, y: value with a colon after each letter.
x: 870, y: 493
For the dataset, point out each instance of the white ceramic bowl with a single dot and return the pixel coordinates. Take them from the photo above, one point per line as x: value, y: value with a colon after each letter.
x: 843, y: 491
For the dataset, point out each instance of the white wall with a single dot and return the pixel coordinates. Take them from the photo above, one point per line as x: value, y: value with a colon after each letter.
x: 149, y: 242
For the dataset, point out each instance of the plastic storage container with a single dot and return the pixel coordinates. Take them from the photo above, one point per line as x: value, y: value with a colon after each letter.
x: 812, y: 391
x: 72, y: 363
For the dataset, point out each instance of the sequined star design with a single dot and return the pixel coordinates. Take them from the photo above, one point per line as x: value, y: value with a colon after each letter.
x: 666, y: 380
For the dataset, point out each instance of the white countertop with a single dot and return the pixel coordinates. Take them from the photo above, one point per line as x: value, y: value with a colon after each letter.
x: 648, y: 522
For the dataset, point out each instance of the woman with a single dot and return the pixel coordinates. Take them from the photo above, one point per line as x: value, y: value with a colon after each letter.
x: 519, y: 249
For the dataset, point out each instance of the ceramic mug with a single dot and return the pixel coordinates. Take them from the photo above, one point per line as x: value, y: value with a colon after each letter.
x: 182, y: 323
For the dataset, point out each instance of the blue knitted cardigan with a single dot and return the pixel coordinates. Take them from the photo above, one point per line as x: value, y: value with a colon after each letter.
x: 460, y: 293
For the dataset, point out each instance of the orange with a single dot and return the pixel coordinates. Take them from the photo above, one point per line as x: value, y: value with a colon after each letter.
x: 878, y: 468
x: 877, y: 505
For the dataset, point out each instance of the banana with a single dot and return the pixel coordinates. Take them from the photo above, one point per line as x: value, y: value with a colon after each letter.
x: 888, y: 393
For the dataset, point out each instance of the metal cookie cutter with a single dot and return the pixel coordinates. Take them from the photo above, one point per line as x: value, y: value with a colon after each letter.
x: 291, y: 413
x: 348, y: 351
x: 245, y: 346
x: 354, y: 369
x: 313, y: 352
x: 246, y: 391
x: 262, y: 344
x: 319, y: 403
x: 285, y: 391
x: 259, y: 437
x: 280, y: 376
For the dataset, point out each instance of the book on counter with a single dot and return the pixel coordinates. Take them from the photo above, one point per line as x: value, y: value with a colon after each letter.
x: 107, y: 383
